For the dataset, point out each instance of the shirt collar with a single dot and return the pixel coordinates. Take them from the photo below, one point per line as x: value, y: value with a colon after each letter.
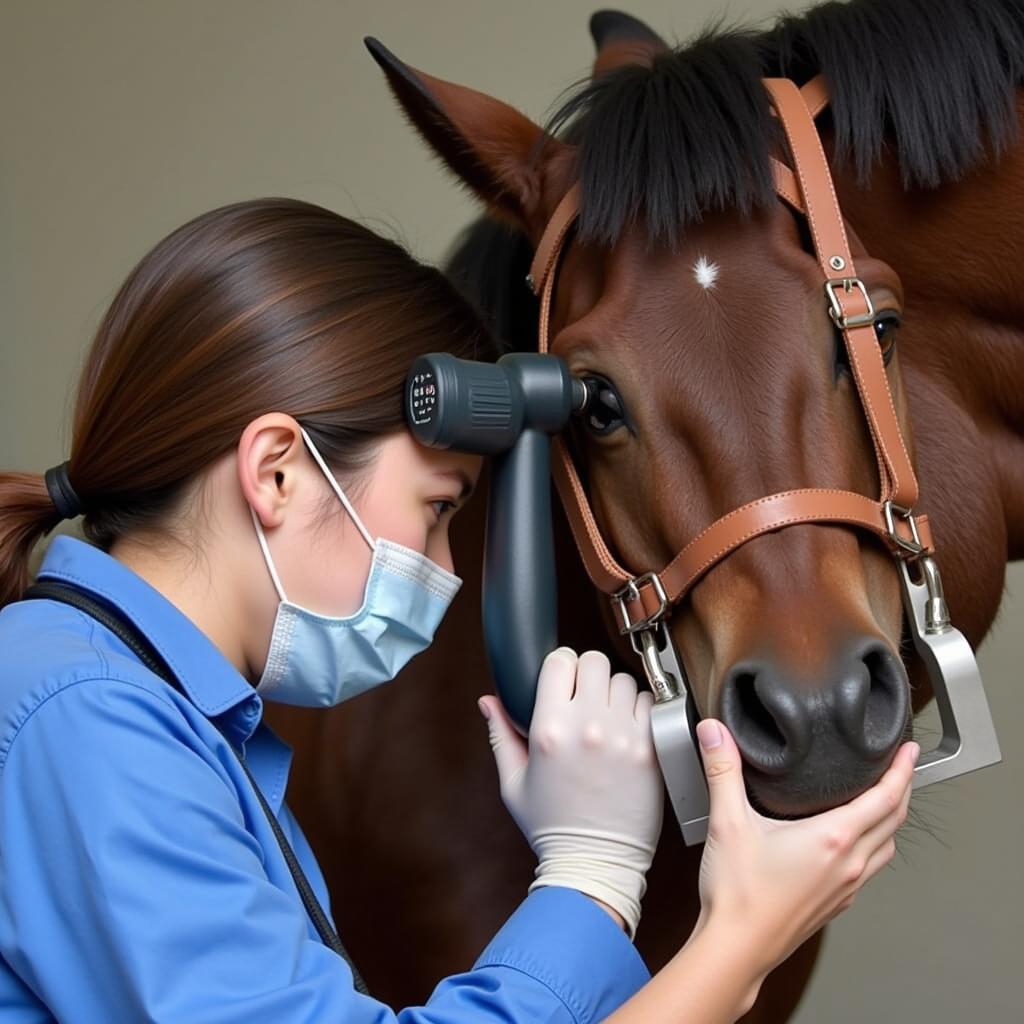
x: 209, y: 680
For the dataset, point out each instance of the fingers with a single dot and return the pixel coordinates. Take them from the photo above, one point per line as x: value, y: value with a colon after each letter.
x: 587, y: 682
x: 723, y: 767
x: 844, y: 905
x: 879, y: 859
x: 617, y: 695
x: 555, y: 684
x: 593, y: 672
x: 642, y: 709
x: 509, y: 748
x: 886, y: 828
x: 883, y: 799
x: 622, y: 694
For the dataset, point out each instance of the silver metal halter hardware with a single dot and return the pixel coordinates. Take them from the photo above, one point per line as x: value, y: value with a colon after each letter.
x: 631, y: 592
x: 968, y: 734
x: 673, y: 720
x: 835, y: 309
x: 906, y: 548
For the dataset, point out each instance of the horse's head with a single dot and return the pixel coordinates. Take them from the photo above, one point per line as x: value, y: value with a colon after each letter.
x: 691, y: 297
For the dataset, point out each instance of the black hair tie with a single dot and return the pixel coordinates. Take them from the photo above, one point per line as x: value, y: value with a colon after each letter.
x: 62, y: 494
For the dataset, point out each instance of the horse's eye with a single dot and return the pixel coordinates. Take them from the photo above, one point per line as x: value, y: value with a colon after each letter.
x: 887, y: 323
x: 604, y: 413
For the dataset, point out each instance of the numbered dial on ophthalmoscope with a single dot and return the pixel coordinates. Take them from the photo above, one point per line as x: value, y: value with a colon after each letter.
x: 422, y: 398
x: 485, y: 408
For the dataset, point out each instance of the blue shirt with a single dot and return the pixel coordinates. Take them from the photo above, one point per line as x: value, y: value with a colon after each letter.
x: 139, y: 878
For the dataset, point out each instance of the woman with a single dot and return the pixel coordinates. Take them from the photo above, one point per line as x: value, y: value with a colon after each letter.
x: 263, y: 526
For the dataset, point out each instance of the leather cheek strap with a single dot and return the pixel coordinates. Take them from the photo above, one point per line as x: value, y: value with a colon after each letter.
x: 825, y: 219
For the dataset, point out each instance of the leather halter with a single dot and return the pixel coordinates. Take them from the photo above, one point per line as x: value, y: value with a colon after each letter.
x: 644, y: 599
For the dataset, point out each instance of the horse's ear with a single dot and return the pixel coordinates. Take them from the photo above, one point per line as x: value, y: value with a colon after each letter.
x: 622, y: 39
x: 487, y: 143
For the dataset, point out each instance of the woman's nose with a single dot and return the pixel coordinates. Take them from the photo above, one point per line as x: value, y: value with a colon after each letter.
x: 439, y: 550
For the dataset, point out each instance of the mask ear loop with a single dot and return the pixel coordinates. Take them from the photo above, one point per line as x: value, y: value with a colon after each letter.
x: 266, y: 554
x: 371, y: 543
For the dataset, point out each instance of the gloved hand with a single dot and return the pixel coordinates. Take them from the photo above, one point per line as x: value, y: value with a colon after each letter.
x: 588, y: 794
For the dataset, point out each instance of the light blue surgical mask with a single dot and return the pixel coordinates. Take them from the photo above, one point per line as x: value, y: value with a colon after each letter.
x: 321, y: 660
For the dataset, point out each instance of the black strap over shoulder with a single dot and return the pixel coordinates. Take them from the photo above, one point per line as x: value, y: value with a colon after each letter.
x: 137, y: 642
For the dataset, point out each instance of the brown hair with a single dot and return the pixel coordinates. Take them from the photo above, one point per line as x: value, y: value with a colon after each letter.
x: 270, y: 305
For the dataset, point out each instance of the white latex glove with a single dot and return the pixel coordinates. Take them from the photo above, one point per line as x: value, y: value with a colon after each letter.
x: 588, y: 794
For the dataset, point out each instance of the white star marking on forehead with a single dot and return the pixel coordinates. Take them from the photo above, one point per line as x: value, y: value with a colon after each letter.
x: 706, y: 272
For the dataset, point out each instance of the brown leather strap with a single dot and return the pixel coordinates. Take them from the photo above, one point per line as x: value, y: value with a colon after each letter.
x: 833, y: 251
x: 786, y: 185
x: 815, y: 94
x: 550, y: 245
x: 604, y: 571
x: 787, y: 508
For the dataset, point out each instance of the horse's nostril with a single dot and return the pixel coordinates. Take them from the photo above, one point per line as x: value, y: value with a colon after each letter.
x: 758, y: 718
x: 871, y: 698
x: 770, y: 723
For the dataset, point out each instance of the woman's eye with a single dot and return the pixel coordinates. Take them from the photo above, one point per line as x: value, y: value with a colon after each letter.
x: 886, y: 326
x: 605, y: 412
x: 441, y: 506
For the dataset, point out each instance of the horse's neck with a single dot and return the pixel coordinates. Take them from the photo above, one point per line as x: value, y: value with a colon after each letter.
x: 959, y: 251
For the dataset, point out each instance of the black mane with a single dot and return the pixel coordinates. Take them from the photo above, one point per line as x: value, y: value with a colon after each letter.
x: 692, y: 132
x: 929, y: 83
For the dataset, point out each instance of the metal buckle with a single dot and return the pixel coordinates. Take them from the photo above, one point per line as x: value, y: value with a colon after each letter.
x: 835, y: 309
x: 912, y: 547
x: 632, y: 591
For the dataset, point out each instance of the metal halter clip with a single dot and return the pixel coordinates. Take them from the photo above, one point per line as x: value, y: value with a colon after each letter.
x: 912, y: 547
x: 631, y: 592
x: 968, y: 735
x: 673, y: 719
x: 835, y: 309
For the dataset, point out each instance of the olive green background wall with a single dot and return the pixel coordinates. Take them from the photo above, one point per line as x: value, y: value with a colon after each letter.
x: 120, y: 119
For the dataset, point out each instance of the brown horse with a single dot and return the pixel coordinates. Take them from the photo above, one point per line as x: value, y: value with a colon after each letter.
x: 689, y: 291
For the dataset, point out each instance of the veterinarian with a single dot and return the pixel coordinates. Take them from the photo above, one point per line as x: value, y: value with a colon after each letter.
x: 261, y: 526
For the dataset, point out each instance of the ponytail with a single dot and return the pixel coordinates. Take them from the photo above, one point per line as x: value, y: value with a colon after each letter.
x: 27, y: 514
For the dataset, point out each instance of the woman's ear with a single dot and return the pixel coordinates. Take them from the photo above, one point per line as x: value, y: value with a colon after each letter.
x: 270, y: 451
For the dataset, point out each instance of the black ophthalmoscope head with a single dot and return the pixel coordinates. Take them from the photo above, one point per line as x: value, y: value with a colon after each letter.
x: 506, y: 409
x: 484, y: 407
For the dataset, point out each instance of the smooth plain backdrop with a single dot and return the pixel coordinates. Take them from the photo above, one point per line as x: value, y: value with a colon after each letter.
x: 121, y: 119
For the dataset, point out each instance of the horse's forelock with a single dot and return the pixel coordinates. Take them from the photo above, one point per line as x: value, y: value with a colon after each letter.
x: 691, y: 132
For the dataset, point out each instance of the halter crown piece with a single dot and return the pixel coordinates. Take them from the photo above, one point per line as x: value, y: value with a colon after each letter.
x: 643, y: 601
x: 62, y: 494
